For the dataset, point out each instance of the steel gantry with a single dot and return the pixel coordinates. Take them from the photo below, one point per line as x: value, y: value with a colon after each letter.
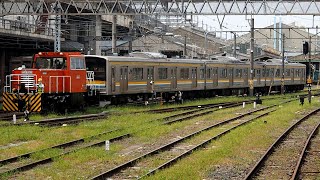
x: 166, y: 7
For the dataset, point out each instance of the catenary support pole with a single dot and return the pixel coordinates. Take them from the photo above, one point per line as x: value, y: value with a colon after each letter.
x: 114, y: 33
x: 251, y: 88
x: 282, y: 78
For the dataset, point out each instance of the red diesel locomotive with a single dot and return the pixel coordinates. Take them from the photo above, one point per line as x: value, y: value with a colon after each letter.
x: 56, y: 81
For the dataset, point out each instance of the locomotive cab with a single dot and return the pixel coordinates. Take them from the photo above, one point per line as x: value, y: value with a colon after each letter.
x: 56, y: 80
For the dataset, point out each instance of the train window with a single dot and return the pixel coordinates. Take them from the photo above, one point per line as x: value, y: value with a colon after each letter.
x: 209, y: 72
x: 267, y: 72
x: 278, y: 73
x: 201, y: 73
x: 77, y: 63
x: 223, y: 73
x: 137, y: 74
x: 263, y: 72
x: 287, y: 72
x: 259, y: 72
x: 297, y: 73
x: 184, y: 73
x: 245, y: 72
x: 239, y: 73
x: 271, y: 72
x: 215, y: 71
x: 163, y: 73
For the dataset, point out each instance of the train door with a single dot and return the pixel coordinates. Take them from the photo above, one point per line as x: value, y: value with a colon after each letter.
x: 230, y: 74
x: 123, y: 79
x: 292, y: 76
x: 215, y: 77
x: 194, y: 78
x: 258, y: 75
x: 245, y: 76
x: 150, y: 79
x: 174, y: 78
x: 113, y: 79
x: 302, y: 75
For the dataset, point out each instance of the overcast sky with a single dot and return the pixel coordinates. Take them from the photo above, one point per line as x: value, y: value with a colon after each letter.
x: 241, y: 24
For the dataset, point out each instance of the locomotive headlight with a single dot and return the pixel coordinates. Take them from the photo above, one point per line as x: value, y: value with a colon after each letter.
x: 40, y: 53
x: 61, y: 53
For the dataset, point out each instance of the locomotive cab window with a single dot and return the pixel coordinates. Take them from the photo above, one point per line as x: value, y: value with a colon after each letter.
x: 50, y: 63
x: 77, y: 63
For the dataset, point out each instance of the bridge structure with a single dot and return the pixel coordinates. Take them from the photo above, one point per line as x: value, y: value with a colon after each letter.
x: 165, y: 7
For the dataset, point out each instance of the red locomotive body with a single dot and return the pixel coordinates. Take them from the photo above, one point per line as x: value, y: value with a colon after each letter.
x: 56, y: 80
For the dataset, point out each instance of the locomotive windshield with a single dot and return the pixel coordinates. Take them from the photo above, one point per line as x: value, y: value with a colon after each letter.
x: 50, y: 63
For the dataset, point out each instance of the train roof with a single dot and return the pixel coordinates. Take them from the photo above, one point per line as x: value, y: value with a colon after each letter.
x: 278, y: 62
x: 221, y: 59
x: 215, y: 60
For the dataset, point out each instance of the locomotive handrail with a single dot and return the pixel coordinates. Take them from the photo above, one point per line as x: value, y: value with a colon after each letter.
x: 90, y: 76
x: 57, y: 83
x: 28, y: 79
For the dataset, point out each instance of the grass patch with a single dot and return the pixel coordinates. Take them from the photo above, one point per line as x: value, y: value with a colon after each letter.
x: 88, y: 162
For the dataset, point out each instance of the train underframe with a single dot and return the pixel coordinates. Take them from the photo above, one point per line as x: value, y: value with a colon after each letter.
x: 173, y: 96
x: 63, y: 102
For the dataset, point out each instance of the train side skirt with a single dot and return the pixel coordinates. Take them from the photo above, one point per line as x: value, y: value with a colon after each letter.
x: 33, y: 102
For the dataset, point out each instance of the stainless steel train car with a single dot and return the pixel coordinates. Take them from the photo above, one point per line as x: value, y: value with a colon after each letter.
x: 121, y: 79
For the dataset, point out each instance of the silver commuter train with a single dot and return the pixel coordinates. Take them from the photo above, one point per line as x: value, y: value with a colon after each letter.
x: 121, y: 79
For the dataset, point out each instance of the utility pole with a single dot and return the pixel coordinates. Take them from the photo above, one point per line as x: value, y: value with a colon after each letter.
x: 185, y: 46
x: 309, y: 57
x: 310, y: 80
x: 130, y: 37
x: 235, y: 45
x: 57, y: 40
x: 282, y: 78
x: 114, y: 33
x: 251, y: 89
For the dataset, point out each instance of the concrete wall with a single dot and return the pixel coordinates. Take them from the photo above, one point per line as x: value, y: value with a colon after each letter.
x: 121, y: 20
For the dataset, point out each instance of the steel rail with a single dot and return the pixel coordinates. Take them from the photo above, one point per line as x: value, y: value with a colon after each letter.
x: 200, y: 114
x: 304, y: 152
x: 63, y: 145
x: 60, y: 121
x: 174, y: 160
x: 50, y: 159
x: 68, y: 144
x: 167, y: 146
x: 256, y: 167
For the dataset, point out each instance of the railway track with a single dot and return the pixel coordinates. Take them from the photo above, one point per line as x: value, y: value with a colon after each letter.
x: 283, y: 158
x: 120, y: 171
x: 7, y: 116
x: 307, y: 167
x: 60, y: 121
x: 91, y: 117
x: 14, y: 165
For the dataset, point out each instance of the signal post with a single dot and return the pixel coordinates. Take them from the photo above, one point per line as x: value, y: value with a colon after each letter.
x: 306, y: 47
